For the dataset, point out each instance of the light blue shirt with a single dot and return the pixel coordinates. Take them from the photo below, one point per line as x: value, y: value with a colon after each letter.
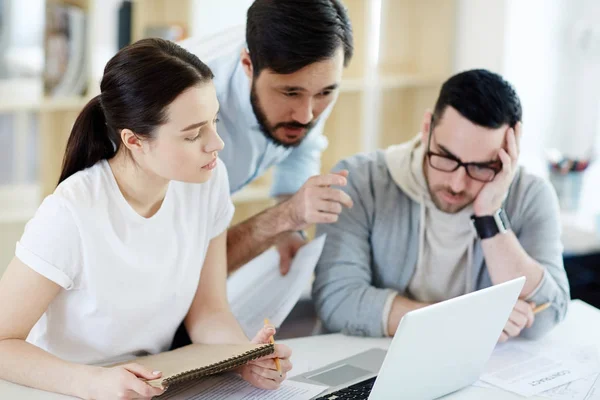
x: 248, y: 153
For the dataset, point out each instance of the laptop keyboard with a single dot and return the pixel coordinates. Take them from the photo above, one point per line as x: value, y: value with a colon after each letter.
x: 361, y: 390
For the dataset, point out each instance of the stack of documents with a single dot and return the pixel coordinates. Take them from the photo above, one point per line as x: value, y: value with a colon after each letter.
x: 258, y: 290
x: 232, y: 387
x: 555, y: 372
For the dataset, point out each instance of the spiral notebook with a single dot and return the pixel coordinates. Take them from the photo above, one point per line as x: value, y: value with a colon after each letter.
x: 198, y: 360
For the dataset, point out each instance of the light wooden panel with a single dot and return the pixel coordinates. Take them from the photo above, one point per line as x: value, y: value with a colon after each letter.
x: 417, y: 37
x: 436, y: 36
x: 159, y: 12
x: 402, y: 113
x: 9, y: 235
x: 343, y: 130
x: 397, y: 38
x: 243, y: 211
x: 85, y: 4
x: 55, y: 128
x: 356, y: 11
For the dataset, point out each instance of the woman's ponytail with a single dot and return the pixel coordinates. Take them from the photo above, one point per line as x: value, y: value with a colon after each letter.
x: 89, y: 141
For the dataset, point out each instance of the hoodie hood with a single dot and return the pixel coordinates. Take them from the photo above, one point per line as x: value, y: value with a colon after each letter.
x: 405, y: 163
x: 445, y: 240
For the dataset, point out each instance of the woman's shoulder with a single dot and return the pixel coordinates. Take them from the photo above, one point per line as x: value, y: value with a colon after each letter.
x: 84, y: 187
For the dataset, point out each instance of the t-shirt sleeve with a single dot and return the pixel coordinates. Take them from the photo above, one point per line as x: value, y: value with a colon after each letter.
x: 222, y: 204
x: 51, y: 243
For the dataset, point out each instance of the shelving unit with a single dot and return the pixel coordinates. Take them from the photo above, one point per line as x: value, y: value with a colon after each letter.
x: 159, y: 12
x: 57, y: 115
x: 403, y: 52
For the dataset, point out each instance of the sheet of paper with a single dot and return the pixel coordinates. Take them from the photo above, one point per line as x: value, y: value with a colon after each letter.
x: 582, y: 389
x: 594, y: 393
x: 516, y: 368
x: 483, y: 384
x: 587, y: 388
x: 232, y: 387
x: 258, y: 290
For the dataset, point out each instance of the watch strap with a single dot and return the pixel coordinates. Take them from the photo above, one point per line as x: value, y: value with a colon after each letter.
x: 488, y: 226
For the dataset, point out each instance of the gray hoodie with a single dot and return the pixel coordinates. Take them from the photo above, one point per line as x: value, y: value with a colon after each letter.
x: 372, y: 252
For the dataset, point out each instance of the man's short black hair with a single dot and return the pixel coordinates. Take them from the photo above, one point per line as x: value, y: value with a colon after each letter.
x: 287, y: 35
x: 482, y: 97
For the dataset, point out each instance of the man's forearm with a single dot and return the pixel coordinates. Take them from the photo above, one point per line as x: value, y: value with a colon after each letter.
x: 400, y: 307
x: 506, y: 259
x: 251, y: 237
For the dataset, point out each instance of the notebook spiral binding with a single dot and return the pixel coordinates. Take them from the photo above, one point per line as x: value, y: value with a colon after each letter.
x: 219, y: 367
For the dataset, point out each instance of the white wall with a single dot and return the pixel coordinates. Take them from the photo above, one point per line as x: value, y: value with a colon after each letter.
x: 103, y: 34
x: 577, y: 98
x: 23, y: 37
x: 491, y: 35
x: 530, y: 64
x: 480, y: 35
x: 533, y: 44
x: 553, y: 58
x: 210, y: 16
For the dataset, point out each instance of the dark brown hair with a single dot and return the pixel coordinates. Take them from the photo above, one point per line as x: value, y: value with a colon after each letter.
x: 286, y: 36
x: 138, y: 84
x: 481, y: 96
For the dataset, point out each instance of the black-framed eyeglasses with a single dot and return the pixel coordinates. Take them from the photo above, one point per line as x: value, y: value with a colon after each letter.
x: 482, y: 172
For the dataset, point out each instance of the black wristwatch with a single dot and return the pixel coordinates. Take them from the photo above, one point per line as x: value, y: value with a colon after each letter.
x: 488, y: 226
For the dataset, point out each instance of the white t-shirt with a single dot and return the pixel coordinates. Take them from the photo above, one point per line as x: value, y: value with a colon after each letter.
x: 129, y: 281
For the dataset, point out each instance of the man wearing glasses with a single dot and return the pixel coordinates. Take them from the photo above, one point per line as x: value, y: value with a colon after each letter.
x: 445, y: 214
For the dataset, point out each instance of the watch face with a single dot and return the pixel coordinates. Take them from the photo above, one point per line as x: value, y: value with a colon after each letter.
x: 501, y: 220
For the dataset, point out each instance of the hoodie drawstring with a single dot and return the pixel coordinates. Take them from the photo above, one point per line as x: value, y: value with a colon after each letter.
x: 469, y: 269
x: 421, y: 233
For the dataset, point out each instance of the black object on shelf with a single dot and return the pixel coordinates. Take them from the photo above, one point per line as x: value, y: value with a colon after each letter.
x: 124, y: 24
x: 583, y: 272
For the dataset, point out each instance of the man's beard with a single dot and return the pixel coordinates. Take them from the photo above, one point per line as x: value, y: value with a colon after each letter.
x: 269, y: 132
x: 445, y: 207
x: 434, y: 191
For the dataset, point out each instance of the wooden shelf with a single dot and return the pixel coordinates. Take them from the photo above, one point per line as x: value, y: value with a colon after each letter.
x: 158, y: 13
x: 18, y: 203
x: 391, y: 82
x: 252, y: 194
x: 417, y: 36
x: 45, y: 104
x: 26, y: 95
x: 381, y: 101
x: 17, y: 216
x: 343, y: 130
x: 410, y: 81
x: 401, y: 113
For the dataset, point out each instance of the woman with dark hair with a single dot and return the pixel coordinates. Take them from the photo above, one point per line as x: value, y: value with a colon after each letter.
x: 133, y: 240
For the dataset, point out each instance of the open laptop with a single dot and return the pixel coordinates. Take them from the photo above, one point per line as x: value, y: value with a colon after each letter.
x: 435, y: 351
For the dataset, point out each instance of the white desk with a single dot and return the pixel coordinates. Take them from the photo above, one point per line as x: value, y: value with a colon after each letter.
x: 582, y: 326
